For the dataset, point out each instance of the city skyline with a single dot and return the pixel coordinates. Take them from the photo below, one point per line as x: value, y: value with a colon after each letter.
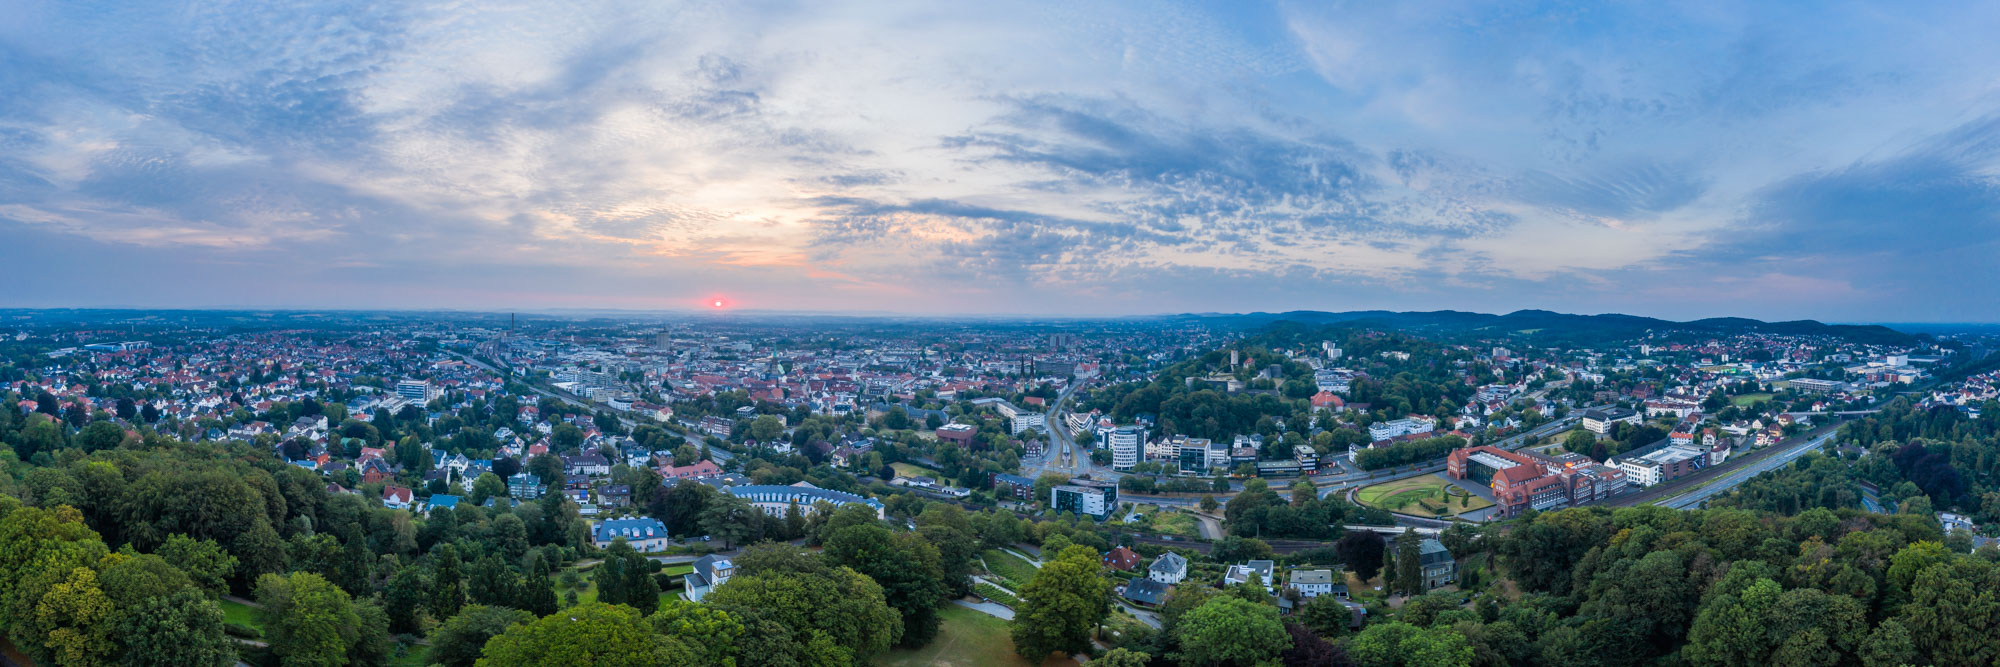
x: 1775, y: 162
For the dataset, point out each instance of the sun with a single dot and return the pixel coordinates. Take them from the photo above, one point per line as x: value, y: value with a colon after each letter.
x: 718, y: 303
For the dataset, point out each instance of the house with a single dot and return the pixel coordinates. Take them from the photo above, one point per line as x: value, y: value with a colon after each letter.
x: 1122, y: 559
x: 1438, y: 566
x: 616, y: 495
x: 1145, y: 592
x: 375, y: 470
x: 643, y: 534
x: 1260, y: 570
x: 1169, y: 568
x: 1313, y: 583
x: 397, y: 498
x: 709, y: 571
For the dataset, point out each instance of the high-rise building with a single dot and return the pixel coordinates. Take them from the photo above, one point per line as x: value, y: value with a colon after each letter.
x: 1125, y: 442
x: 663, y: 341
x: 415, y: 391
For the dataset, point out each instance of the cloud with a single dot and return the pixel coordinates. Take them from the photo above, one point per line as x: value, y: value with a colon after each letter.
x: 1102, y: 158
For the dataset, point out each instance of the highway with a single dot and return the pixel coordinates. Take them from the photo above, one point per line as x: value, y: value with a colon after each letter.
x: 1699, y: 496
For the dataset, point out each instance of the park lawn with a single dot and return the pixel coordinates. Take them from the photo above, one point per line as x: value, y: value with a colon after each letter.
x: 913, y: 470
x: 1560, y: 437
x: 1744, y: 401
x: 1405, y: 495
x: 1010, y: 569
x: 240, y: 614
x: 678, y: 570
x: 966, y: 639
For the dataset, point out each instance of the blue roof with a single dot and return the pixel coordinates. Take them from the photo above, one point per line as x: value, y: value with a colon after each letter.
x: 630, y: 529
x: 442, y: 500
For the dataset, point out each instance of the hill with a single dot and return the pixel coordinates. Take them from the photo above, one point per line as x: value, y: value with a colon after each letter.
x: 1546, y: 325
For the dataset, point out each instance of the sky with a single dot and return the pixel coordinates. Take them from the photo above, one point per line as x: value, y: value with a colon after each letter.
x: 1828, y: 160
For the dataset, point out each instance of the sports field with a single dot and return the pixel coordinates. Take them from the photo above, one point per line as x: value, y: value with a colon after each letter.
x: 1429, y: 495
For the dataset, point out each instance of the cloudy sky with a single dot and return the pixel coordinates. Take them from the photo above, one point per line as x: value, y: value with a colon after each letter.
x: 1838, y: 161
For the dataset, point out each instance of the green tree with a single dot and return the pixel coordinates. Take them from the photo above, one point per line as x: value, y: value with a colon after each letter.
x: 307, y: 619
x: 447, y: 592
x: 1397, y: 644
x: 713, y: 633
x: 765, y: 428
x: 1066, y: 600
x: 487, y: 485
x: 1120, y: 657
x: 587, y: 635
x: 730, y: 519
x: 458, y: 641
x: 204, y: 561
x: 907, y: 568
x: 1230, y: 631
x: 625, y: 578
x: 795, y: 590
x: 405, y: 598
x: 179, y: 630
x: 1409, y: 575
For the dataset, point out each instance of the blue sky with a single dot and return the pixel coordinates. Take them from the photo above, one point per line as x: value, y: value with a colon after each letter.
x: 1838, y: 161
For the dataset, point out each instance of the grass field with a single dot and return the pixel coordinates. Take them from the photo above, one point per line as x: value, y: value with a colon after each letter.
x: 1746, y: 399
x: 588, y: 592
x: 1559, y: 437
x: 1008, y: 568
x: 913, y: 470
x: 1176, y: 523
x: 237, y: 613
x: 967, y: 639
x: 1409, y: 495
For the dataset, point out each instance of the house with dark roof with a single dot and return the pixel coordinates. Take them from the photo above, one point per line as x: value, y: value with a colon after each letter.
x: 1169, y: 568
x: 709, y: 571
x: 1145, y: 592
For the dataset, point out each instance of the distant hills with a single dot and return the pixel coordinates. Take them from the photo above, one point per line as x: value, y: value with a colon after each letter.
x: 1543, y: 324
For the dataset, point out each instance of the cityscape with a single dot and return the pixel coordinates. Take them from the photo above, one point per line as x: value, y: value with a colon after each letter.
x: 871, y: 334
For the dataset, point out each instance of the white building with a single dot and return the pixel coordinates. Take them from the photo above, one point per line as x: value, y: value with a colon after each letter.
x: 1170, y: 568
x: 1379, y: 431
x: 1023, y: 421
x: 1125, y: 442
x: 414, y: 391
x: 1312, y: 583
x: 1600, y: 421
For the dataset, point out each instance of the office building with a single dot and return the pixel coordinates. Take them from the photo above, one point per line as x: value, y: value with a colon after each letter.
x: 1125, y: 442
x: 414, y: 391
x: 1097, y: 499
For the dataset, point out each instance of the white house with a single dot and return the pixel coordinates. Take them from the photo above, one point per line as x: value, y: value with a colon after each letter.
x: 1311, y: 583
x: 1169, y: 568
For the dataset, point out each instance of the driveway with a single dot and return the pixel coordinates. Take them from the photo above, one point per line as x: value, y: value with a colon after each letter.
x: 993, y: 609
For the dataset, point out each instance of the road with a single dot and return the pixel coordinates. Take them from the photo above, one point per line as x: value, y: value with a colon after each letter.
x: 1699, y: 496
x: 1062, y: 455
